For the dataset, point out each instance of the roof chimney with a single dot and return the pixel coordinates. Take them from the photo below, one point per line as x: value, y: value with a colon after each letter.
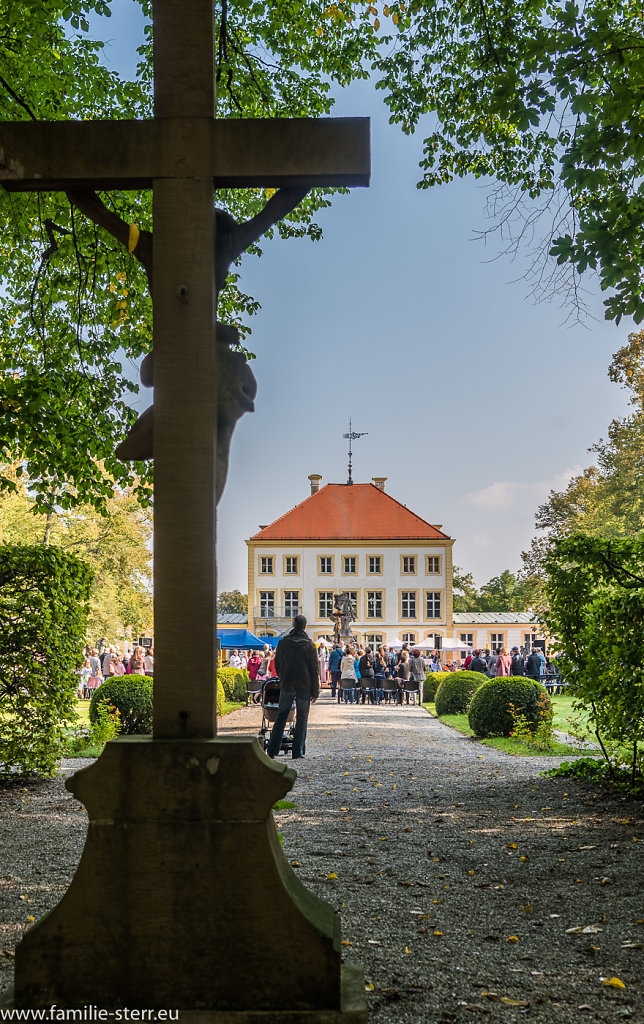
x: 379, y: 482
x: 315, y: 482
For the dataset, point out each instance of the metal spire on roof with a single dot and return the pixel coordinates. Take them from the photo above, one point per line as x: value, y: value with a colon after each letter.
x: 351, y: 436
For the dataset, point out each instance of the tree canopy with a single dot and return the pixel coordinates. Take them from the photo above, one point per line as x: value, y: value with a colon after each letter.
x: 232, y: 601
x: 542, y: 97
x: 606, y: 500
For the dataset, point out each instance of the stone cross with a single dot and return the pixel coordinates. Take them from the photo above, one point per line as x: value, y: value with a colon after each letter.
x: 183, y: 154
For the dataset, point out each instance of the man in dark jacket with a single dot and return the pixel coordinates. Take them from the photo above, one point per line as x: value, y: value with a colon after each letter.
x: 533, y: 665
x: 518, y: 662
x: 296, y: 663
x: 335, y: 659
x: 478, y: 663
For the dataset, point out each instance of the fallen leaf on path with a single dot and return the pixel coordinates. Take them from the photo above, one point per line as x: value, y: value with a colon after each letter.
x: 512, y: 1002
x: 587, y: 847
x: 407, y: 949
x: 296, y: 864
x: 332, y: 875
x: 8, y: 953
x: 512, y: 938
x: 438, y: 933
x: 369, y: 986
x: 512, y: 846
x: 345, y: 942
x: 613, y: 982
x: 585, y: 929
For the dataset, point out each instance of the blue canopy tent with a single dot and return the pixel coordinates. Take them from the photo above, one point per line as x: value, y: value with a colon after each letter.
x: 239, y: 639
x: 271, y: 641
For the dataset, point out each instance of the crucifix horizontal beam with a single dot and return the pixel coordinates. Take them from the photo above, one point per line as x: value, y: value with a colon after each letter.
x: 63, y: 155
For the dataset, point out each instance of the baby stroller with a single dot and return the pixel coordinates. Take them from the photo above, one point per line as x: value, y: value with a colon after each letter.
x: 270, y: 704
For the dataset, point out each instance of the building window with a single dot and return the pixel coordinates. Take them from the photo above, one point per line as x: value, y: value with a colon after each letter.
x: 374, y: 640
x: 374, y: 565
x: 432, y: 604
x: 267, y: 602
x: 291, y: 603
x: 326, y: 565
x: 349, y: 565
x: 529, y: 640
x: 408, y: 638
x: 436, y: 639
x: 266, y: 565
x: 408, y: 604
x: 497, y: 641
x: 374, y: 604
x: 291, y: 565
x: 353, y: 597
x: 325, y: 604
x: 433, y: 565
x: 408, y: 564
x: 466, y: 638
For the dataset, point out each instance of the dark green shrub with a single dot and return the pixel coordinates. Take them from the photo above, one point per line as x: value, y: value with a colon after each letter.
x: 44, y: 599
x: 221, y: 698
x: 132, y: 698
x: 453, y: 694
x: 431, y: 684
x: 489, y: 713
x: 234, y: 682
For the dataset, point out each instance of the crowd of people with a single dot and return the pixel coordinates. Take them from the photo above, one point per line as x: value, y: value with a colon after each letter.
x: 110, y: 662
x: 361, y: 675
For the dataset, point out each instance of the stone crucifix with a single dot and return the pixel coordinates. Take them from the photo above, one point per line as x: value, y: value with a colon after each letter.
x: 183, y: 154
x: 182, y: 893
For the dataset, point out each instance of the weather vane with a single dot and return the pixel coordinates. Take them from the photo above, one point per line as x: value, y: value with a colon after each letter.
x: 351, y: 436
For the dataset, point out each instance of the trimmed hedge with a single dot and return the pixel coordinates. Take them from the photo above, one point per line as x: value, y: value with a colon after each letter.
x: 221, y: 698
x: 431, y: 684
x: 131, y: 695
x: 44, y: 600
x: 454, y: 693
x: 234, y: 682
x: 489, y: 713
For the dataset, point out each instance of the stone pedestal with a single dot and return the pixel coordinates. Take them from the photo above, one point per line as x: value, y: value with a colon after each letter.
x: 183, y: 899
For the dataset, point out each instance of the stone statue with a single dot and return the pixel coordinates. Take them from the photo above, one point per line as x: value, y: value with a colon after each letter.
x: 236, y: 385
x: 342, y: 616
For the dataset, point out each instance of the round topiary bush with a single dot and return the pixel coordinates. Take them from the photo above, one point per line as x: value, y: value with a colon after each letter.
x: 453, y: 694
x: 489, y: 713
x: 432, y: 682
x: 234, y: 682
x: 132, y: 698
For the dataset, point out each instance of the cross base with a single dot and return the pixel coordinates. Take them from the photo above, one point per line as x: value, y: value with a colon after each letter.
x: 183, y: 898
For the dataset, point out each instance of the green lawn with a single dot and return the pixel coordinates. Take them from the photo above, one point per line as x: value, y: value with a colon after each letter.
x: 569, y: 720
x: 512, y: 746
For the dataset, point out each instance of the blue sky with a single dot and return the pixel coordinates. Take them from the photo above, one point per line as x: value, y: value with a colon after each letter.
x: 476, y: 401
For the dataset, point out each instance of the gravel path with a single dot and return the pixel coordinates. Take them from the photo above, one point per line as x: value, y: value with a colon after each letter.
x: 457, y: 870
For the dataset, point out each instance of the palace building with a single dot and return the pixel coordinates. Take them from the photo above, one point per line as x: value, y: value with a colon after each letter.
x: 395, y: 566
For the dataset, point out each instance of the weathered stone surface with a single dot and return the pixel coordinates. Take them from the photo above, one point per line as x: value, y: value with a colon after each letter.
x: 183, y: 898
x: 49, y: 156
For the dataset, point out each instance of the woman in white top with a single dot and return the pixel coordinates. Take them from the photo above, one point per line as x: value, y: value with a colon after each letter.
x: 348, y: 677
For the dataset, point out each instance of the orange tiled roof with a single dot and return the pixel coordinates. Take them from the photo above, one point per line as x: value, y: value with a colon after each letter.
x: 350, y: 512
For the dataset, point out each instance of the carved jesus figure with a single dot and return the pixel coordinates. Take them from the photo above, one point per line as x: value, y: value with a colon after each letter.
x: 236, y: 385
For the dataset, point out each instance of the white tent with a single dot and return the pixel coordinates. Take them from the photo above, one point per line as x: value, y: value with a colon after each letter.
x: 448, y: 643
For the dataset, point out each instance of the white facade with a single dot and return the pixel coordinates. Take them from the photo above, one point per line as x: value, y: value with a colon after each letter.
x: 494, y: 630
x: 401, y: 589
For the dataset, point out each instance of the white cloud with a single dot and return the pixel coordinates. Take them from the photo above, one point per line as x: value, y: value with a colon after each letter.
x: 508, y: 494
x: 494, y: 524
